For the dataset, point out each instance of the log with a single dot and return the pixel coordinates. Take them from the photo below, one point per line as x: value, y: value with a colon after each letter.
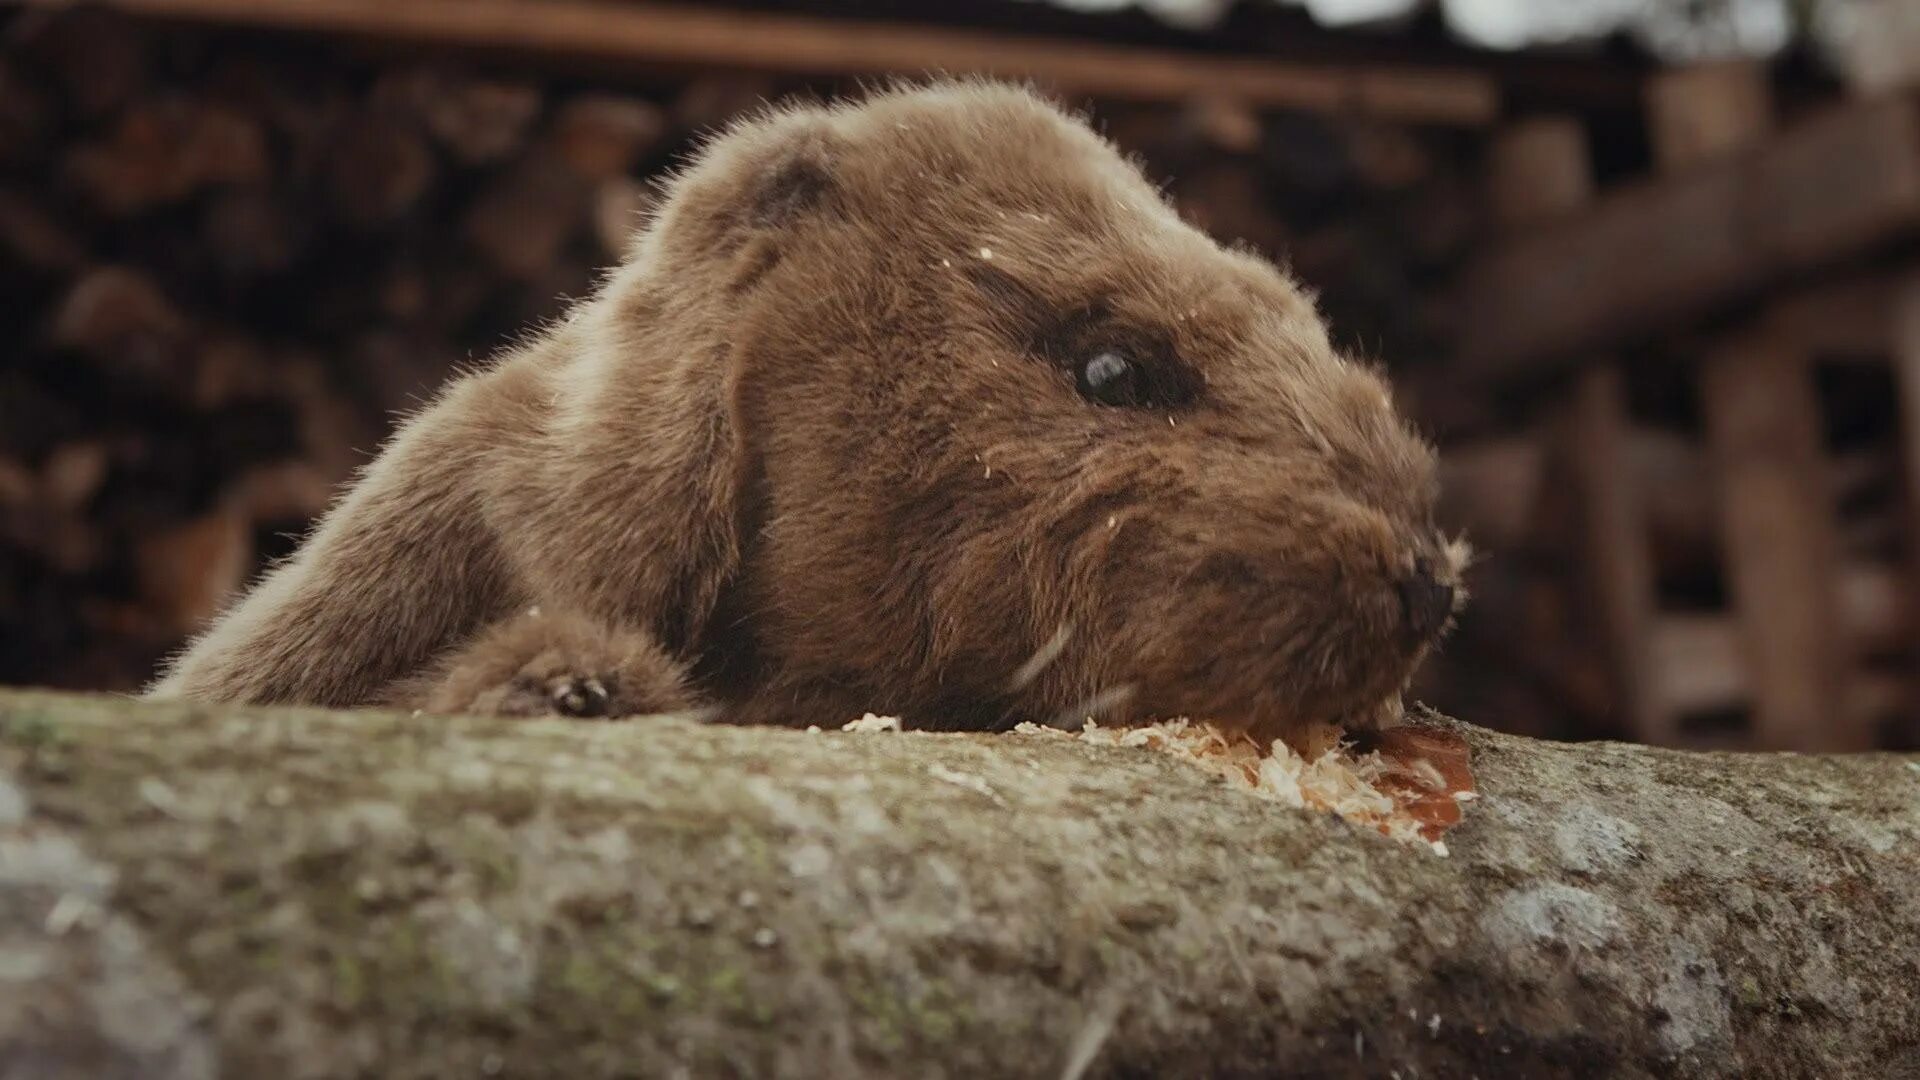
x: 602, y: 136
x: 118, y: 317
x: 1672, y: 248
x: 377, y: 170
x: 98, y: 61
x: 639, y: 37
x: 24, y: 117
x: 163, y: 151
x: 252, y: 232
x: 476, y: 120
x: 294, y: 892
x: 524, y: 216
x: 31, y: 238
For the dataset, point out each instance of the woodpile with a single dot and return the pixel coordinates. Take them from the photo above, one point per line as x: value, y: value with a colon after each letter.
x: 232, y: 258
x: 228, y: 266
x: 1737, y: 481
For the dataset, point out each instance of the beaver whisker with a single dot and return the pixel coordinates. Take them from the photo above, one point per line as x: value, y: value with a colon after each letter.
x: 1042, y: 658
x: 1091, y: 708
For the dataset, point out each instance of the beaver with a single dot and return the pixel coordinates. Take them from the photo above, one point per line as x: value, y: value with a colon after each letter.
x: 926, y: 404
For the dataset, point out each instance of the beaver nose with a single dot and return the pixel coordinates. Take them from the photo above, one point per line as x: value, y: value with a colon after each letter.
x: 1426, y: 602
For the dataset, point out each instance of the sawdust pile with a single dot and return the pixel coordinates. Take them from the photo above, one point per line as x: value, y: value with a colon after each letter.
x: 1410, y: 786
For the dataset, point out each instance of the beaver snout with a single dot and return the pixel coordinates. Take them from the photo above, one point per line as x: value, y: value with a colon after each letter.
x: 1426, y: 602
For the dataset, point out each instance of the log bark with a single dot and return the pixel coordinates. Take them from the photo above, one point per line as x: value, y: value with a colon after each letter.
x: 300, y: 893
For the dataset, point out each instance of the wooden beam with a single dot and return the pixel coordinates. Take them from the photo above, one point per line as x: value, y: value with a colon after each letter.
x: 1619, y: 557
x: 1763, y: 425
x: 1539, y: 170
x: 1845, y: 319
x: 1906, y: 381
x: 1765, y: 433
x: 1699, y: 113
x: 640, y: 34
x: 1700, y: 662
x: 1672, y: 248
x: 1697, y: 663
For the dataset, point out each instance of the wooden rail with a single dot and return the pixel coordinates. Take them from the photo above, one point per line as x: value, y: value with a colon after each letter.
x: 623, y: 34
x: 1672, y: 248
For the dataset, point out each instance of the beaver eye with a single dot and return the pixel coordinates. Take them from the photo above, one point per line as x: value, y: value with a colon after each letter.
x: 1110, y: 378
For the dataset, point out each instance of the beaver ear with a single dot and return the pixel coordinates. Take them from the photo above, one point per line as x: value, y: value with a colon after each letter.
x: 796, y: 181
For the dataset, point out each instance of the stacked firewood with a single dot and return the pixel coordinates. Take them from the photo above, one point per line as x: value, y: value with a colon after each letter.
x: 231, y: 260
x: 1701, y: 526
x: 230, y: 264
x: 1534, y: 612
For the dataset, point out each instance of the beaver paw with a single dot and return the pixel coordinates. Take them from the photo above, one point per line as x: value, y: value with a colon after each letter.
x: 551, y: 665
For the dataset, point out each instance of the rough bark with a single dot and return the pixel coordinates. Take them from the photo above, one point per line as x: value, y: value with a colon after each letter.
x: 275, y: 892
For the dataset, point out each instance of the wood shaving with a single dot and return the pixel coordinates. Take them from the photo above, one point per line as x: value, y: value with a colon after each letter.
x: 872, y: 722
x: 1409, y: 790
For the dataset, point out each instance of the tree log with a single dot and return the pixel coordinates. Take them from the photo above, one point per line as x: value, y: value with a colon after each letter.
x: 282, y: 892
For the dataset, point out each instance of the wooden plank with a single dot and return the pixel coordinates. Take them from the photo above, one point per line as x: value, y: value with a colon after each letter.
x: 1699, y: 662
x: 1619, y: 557
x: 1698, y: 113
x: 1668, y: 249
x: 637, y: 34
x: 1539, y: 170
x: 1845, y: 319
x: 1906, y: 375
x: 1764, y: 429
x: 1763, y: 426
x: 1906, y: 378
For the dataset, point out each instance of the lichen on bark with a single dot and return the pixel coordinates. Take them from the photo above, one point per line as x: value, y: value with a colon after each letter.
x: 302, y: 893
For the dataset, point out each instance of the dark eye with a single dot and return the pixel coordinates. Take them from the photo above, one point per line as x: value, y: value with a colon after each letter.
x: 1110, y: 378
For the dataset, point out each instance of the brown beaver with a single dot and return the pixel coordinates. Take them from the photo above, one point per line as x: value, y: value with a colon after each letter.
x: 926, y: 405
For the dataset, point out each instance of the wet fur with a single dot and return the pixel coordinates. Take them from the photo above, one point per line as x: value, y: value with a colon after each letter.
x: 820, y: 439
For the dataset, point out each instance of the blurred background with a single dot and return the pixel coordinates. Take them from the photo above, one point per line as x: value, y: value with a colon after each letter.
x: 1646, y: 271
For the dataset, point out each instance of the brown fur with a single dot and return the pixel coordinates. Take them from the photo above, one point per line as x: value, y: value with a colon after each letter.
x: 539, y: 665
x: 821, y: 437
